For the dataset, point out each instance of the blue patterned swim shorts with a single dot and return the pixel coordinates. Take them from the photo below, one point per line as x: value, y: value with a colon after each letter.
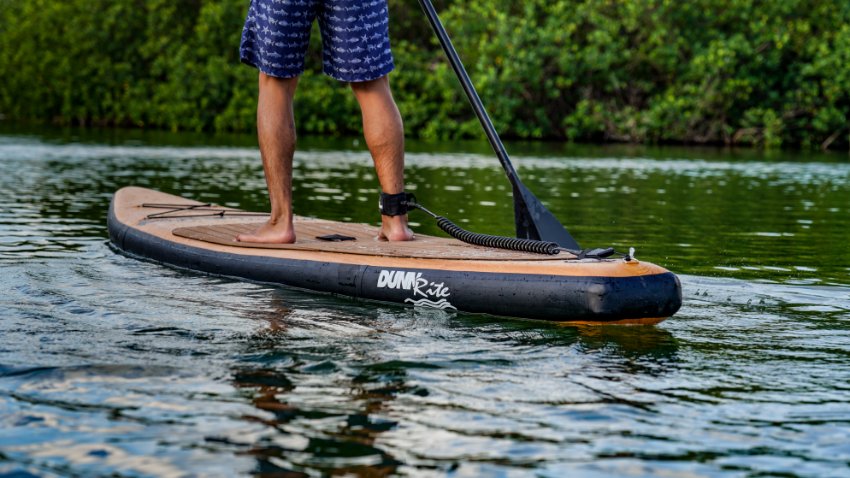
x: 355, y: 37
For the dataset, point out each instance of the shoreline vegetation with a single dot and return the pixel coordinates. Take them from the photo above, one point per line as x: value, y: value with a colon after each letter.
x: 734, y: 72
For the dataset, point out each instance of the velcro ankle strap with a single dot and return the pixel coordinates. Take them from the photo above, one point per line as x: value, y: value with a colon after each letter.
x: 395, y: 204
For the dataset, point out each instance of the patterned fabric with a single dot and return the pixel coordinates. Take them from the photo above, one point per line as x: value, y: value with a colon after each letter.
x: 355, y: 37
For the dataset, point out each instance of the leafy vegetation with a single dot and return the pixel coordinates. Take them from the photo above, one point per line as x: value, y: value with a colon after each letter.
x: 704, y: 71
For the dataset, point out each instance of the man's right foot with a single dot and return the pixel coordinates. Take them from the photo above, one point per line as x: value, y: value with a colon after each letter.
x: 270, y: 233
x: 395, y: 229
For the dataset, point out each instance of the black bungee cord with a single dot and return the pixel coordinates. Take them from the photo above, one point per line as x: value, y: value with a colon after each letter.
x: 205, y: 210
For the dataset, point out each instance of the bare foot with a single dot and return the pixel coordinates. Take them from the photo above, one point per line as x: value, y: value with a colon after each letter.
x: 270, y: 233
x: 395, y: 229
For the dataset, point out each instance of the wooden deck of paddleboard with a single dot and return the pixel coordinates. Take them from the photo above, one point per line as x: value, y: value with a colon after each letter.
x: 193, y: 228
x: 364, y: 242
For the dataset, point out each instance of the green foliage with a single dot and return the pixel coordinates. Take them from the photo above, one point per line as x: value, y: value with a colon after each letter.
x: 769, y: 74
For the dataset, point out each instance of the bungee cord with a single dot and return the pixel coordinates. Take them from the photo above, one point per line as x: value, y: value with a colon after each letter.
x: 208, y: 208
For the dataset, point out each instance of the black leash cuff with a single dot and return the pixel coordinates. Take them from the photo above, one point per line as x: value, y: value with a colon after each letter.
x: 395, y: 204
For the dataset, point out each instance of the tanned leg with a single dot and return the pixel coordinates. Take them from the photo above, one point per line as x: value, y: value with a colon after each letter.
x: 276, y: 134
x: 384, y: 134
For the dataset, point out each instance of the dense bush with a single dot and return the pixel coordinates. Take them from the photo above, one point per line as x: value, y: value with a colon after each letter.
x: 702, y: 71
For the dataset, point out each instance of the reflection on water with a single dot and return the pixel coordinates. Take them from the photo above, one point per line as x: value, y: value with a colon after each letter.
x: 110, y: 365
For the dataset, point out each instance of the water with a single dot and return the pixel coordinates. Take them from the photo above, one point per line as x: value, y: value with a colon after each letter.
x: 110, y: 365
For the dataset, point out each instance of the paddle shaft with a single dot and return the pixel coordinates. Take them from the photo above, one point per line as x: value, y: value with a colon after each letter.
x: 533, y: 220
x: 469, y: 89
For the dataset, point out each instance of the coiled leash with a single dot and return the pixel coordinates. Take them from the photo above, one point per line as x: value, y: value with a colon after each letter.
x: 399, y: 204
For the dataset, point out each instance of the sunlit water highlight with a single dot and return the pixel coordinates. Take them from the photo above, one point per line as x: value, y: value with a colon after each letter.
x: 110, y: 365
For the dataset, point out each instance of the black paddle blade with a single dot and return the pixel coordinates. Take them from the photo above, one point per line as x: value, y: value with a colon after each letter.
x: 534, y: 221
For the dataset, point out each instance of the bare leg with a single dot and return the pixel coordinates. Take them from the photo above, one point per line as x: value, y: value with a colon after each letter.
x: 276, y: 134
x: 384, y: 134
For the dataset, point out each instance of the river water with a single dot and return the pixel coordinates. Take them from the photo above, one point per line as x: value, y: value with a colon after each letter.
x: 114, y: 366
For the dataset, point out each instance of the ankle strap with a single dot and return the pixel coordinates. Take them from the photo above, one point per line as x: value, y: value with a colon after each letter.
x: 395, y: 204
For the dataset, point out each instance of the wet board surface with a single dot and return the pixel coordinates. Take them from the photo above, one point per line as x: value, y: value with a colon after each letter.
x: 427, y: 272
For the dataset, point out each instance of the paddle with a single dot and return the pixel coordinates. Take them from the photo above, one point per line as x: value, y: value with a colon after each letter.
x: 533, y: 220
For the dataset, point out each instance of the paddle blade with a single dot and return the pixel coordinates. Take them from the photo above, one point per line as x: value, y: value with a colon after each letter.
x: 534, y: 221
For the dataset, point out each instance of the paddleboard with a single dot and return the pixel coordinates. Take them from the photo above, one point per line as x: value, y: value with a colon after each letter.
x: 434, y: 272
